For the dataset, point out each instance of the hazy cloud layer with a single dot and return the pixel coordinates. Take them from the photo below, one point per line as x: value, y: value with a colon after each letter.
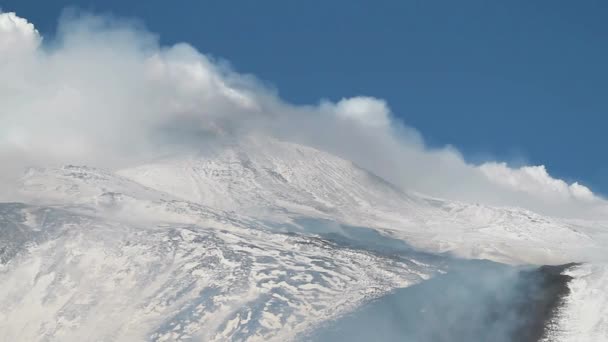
x: 103, y: 92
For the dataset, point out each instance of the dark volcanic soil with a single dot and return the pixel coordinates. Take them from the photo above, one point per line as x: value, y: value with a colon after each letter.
x: 546, y: 287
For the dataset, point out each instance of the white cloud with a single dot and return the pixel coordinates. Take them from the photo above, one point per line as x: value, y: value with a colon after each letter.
x: 367, y: 111
x: 17, y: 35
x: 536, y: 181
x: 104, y: 92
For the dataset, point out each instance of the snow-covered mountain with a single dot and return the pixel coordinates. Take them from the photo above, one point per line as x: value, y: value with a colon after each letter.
x: 267, y: 178
x: 250, y: 239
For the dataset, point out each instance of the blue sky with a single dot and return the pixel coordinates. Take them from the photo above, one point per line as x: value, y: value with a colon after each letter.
x: 524, y: 81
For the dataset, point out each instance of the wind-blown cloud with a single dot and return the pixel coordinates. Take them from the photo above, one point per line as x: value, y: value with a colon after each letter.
x: 104, y: 92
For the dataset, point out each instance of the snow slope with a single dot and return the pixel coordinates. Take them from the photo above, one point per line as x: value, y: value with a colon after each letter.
x: 80, y: 276
x: 209, y: 245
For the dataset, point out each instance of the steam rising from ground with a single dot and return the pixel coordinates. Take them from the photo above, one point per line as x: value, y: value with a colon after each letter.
x: 104, y: 92
x: 475, y: 302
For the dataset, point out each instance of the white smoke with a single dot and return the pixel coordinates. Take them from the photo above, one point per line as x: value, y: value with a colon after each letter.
x: 104, y: 92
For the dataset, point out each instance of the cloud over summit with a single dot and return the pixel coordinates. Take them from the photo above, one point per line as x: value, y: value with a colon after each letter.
x: 104, y: 92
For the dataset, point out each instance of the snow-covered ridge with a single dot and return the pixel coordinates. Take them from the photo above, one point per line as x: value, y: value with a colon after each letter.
x: 259, y: 173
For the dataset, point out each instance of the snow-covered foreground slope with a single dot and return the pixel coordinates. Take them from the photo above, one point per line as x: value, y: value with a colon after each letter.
x: 211, y: 246
x: 79, y: 277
